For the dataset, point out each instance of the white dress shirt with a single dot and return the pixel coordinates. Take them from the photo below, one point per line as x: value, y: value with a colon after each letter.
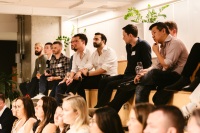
x: 107, y: 61
x: 79, y: 63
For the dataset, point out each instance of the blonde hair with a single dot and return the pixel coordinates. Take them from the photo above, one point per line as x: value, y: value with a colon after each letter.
x: 39, y: 44
x: 78, y: 104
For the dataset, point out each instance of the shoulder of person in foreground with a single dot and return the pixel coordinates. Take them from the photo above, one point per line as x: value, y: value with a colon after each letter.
x: 49, y: 128
x: 29, y: 124
x: 84, y: 129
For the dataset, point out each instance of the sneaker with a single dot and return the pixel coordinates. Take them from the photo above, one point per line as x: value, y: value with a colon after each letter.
x: 39, y: 96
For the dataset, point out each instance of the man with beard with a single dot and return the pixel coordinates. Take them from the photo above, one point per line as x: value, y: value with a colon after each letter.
x: 59, y: 66
x: 40, y: 66
x: 80, y: 58
x: 103, y: 61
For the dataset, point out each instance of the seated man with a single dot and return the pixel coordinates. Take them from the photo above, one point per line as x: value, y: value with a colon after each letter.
x: 103, y: 60
x: 80, y: 58
x: 165, y: 119
x: 171, y: 57
x: 6, y: 116
x: 137, y: 51
x: 59, y: 65
x: 40, y: 66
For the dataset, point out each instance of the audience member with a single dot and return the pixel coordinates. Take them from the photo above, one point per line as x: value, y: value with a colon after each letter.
x: 58, y: 121
x: 171, y: 57
x: 190, y: 66
x: 75, y: 114
x: 165, y: 119
x: 59, y: 66
x: 14, y: 112
x: 80, y: 59
x: 6, y: 117
x: 103, y: 60
x: 137, y: 51
x: 44, y: 111
x: 138, y: 117
x: 106, y: 120
x: 172, y: 27
x: 25, y: 114
x: 193, y: 125
x: 40, y: 66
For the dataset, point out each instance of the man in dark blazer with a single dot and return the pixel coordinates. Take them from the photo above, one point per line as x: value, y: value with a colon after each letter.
x: 6, y: 117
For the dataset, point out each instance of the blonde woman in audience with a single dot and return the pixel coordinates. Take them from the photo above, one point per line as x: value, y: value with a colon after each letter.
x: 25, y: 114
x: 138, y: 117
x: 106, y: 120
x: 193, y: 125
x: 58, y: 121
x: 75, y: 114
x: 44, y: 111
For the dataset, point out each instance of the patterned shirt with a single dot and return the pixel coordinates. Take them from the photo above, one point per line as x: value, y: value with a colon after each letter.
x: 59, y: 67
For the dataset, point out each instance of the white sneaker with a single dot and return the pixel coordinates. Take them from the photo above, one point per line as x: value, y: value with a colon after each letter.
x: 39, y: 96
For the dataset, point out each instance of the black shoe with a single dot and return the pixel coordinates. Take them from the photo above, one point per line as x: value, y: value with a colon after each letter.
x: 183, y: 81
x: 193, y: 85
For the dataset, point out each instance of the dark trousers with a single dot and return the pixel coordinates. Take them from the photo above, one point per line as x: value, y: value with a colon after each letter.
x: 32, y: 87
x: 192, y: 61
x: 106, y: 87
x: 43, y: 85
x: 62, y: 89
x: 90, y: 82
x: 159, y: 79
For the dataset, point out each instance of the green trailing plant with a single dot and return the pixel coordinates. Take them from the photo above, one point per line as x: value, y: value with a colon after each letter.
x: 151, y: 17
x: 66, y: 39
x: 6, y: 86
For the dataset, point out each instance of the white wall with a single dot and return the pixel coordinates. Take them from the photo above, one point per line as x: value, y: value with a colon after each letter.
x: 185, y: 13
x: 8, y: 27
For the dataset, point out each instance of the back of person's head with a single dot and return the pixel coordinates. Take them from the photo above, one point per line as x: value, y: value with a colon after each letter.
x: 78, y: 104
x: 193, y: 125
x: 103, y: 37
x: 82, y: 36
x: 160, y: 26
x: 131, y: 29
x: 171, y: 25
x: 108, y: 120
x: 57, y: 42
x: 174, y: 117
x: 142, y: 111
x: 2, y: 97
x: 28, y: 106
x: 49, y: 107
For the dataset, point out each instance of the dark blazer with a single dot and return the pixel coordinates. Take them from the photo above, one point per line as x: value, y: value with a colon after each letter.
x: 6, y: 121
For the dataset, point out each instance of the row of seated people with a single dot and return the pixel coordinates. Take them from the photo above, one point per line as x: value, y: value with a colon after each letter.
x: 72, y: 117
x: 171, y: 58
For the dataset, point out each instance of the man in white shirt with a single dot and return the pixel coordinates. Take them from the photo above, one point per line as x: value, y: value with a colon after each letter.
x: 80, y: 58
x: 6, y: 117
x: 104, y: 63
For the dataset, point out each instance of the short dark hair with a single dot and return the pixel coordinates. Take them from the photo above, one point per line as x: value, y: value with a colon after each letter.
x: 142, y: 111
x: 174, y: 116
x: 82, y: 36
x: 131, y: 29
x: 160, y: 26
x: 2, y: 97
x: 48, y: 43
x: 103, y: 37
x: 57, y: 42
x: 171, y: 25
x: 108, y: 120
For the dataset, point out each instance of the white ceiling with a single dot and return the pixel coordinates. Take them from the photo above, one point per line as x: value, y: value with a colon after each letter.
x: 66, y: 8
